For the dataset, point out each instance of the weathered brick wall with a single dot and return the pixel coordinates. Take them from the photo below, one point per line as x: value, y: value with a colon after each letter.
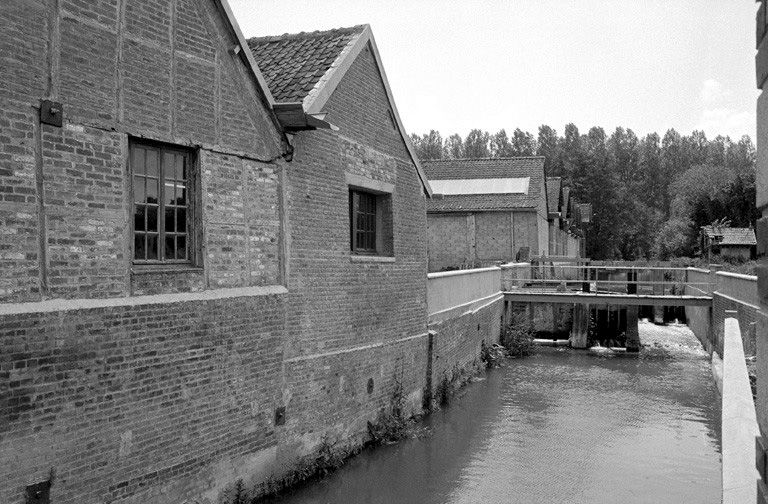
x: 526, y: 233
x: 493, y: 236
x: 351, y: 318
x: 483, y: 238
x: 457, y: 342
x: 139, y: 400
x: 160, y: 70
x: 448, y: 242
x: 132, y: 399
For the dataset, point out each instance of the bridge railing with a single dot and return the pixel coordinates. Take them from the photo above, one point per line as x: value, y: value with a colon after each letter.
x: 644, y: 280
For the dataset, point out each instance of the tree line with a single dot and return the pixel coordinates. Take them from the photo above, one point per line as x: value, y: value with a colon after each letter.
x: 649, y: 195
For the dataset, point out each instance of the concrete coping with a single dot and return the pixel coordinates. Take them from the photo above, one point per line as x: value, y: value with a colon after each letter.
x: 739, y: 422
x: 60, y: 305
x: 443, y: 274
x: 515, y: 265
x: 740, y: 276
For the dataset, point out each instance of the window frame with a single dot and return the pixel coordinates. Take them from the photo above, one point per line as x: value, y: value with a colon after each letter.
x: 374, y: 218
x: 190, y: 184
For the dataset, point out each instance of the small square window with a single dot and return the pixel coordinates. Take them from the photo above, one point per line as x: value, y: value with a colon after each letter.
x: 161, y: 181
x: 370, y: 223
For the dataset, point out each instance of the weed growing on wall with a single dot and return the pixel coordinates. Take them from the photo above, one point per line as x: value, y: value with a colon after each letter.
x: 492, y: 356
x: 328, y: 457
x: 393, y: 424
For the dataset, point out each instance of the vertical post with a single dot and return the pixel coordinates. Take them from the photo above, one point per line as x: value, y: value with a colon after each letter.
x: 580, y: 328
x: 633, y: 332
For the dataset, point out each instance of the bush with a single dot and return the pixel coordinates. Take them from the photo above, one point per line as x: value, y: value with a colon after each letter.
x: 518, y: 337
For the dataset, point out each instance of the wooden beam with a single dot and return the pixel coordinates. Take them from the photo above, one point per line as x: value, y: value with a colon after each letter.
x: 610, y: 299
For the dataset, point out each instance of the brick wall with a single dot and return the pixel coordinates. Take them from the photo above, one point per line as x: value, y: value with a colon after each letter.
x: 63, y: 190
x: 457, y: 341
x: 482, y: 238
x: 448, y: 244
x: 128, y: 399
x: 493, y: 236
x: 351, y: 318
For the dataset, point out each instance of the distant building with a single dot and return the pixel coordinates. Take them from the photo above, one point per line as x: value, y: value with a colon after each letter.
x: 561, y: 212
x: 728, y: 242
x: 486, y: 211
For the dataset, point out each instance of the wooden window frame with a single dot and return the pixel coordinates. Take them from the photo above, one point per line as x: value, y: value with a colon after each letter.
x: 365, y: 231
x: 191, y: 207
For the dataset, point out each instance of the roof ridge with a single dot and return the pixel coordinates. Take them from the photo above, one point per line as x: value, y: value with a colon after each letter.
x: 313, y: 34
x: 480, y: 159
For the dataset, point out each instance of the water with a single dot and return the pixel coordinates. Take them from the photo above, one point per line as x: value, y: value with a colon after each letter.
x: 558, y: 427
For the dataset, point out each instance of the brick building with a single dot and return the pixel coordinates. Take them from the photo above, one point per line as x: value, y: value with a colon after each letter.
x: 726, y: 241
x: 486, y: 211
x: 356, y: 207
x: 561, y: 216
x: 180, y: 306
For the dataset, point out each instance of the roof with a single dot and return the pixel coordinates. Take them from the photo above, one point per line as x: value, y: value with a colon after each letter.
x: 566, y: 208
x: 253, y: 69
x: 294, y: 63
x: 730, y: 236
x: 306, y: 68
x: 554, y: 185
x: 517, y: 185
x: 489, y: 168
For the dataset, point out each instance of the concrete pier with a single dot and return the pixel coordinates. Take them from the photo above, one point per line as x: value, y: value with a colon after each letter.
x: 633, y: 334
x: 580, y: 327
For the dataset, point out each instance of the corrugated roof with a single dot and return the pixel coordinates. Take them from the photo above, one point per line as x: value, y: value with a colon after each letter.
x: 731, y: 236
x: 293, y: 64
x: 553, y: 194
x: 487, y: 168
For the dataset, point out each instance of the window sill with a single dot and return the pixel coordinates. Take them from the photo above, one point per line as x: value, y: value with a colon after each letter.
x: 144, y: 269
x: 371, y: 258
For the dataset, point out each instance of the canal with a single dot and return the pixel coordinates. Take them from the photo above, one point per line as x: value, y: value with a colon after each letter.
x: 562, y: 426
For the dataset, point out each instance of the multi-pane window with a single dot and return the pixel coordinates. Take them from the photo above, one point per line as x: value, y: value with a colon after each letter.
x: 161, y: 181
x: 362, y: 216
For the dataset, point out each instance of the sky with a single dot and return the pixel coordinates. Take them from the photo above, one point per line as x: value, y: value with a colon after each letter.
x: 648, y: 65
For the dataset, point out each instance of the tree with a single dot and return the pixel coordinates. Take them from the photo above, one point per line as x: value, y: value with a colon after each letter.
x: 454, y: 147
x: 429, y: 146
x: 652, y: 191
x: 549, y: 147
x: 673, y: 162
x: 523, y: 143
x: 675, y: 239
x: 476, y: 144
x: 500, y: 145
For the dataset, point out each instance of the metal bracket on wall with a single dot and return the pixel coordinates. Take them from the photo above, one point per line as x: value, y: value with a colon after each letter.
x: 51, y: 113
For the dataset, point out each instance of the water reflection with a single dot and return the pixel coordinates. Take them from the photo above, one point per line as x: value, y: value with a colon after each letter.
x: 560, y: 426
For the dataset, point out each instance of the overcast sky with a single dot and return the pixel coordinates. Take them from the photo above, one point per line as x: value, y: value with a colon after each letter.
x: 456, y: 65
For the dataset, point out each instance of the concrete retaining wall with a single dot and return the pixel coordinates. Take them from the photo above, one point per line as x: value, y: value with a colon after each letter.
x: 465, y: 311
x: 730, y: 291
